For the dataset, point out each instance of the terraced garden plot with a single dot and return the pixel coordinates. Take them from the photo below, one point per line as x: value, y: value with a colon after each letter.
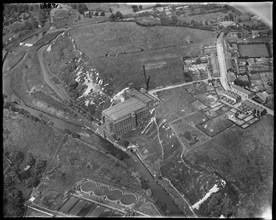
x: 128, y: 199
x: 210, y: 113
x: 215, y: 125
x: 68, y: 204
x: 96, y: 212
x: 188, y: 134
x: 77, y: 207
x: 86, y: 209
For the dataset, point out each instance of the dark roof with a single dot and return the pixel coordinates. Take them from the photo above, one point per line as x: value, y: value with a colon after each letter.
x: 251, y: 104
x: 241, y: 89
x: 230, y: 93
x: 124, y: 108
x: 143, y: 97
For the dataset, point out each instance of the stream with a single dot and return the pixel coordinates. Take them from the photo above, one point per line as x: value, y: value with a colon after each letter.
x: 130, y: 159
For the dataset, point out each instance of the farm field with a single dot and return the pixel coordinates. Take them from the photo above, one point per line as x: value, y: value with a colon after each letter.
x: 253, y: 50
x: 209, y: 98
x: 118, y: 37
x: 244, y: 157
x: 67, y: 168
x: 163, y: 66
x: 175, y: 104
x: 188, y: 134
x: 195, y: 118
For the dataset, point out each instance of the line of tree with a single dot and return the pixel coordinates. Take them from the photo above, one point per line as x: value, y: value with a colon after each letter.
x: 116, y: 16
x: 241, y: 83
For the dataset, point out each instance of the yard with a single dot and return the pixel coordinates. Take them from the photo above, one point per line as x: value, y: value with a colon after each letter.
x: 175, y: 104
x: 244, y: 157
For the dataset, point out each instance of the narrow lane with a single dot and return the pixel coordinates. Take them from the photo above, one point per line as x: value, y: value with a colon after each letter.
x: 59, y: 91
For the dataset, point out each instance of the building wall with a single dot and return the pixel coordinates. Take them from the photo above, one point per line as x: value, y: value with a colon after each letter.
x: 121, y: 126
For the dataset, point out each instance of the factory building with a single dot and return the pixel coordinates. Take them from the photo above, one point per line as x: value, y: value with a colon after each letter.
x: 125, y: 116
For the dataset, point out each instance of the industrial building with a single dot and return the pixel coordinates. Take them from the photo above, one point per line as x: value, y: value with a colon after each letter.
x: 125, y: 116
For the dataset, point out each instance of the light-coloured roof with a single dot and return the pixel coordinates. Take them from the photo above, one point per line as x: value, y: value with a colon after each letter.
x: 124, y: 108
x: 251, y: 104
x: 230, y: 93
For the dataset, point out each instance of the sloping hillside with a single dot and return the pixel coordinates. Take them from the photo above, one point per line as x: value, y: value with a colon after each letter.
x: 68, y: 66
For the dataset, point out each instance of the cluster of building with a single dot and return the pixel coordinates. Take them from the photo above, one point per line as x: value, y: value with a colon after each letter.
x: 125, y: 116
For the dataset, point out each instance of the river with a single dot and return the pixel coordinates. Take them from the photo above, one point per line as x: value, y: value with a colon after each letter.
x: 130, y: 159
x: 133, y: 161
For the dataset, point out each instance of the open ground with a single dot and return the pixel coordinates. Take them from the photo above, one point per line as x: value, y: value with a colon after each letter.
x: 244, y: 159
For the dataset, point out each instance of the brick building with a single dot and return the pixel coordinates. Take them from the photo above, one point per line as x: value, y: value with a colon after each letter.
x: 242, y: 92
x: 232, y: 96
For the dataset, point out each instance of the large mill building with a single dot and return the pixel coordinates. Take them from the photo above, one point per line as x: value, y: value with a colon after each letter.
x: 125, y: 116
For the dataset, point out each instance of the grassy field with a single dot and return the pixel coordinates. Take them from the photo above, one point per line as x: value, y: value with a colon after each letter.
x: 28, y: 136
x: 245, y: 159
x: 253, y: 50
x: 195, y: 118
x: 115, y: 38
x: 188, y: 134
x: 175, y: 104
x: 27, y: 75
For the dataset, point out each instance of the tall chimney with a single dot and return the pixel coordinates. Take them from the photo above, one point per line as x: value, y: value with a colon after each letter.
x: 145, y: 75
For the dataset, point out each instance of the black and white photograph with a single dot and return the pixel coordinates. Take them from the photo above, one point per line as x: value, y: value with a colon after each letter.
x: 138, y: 109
